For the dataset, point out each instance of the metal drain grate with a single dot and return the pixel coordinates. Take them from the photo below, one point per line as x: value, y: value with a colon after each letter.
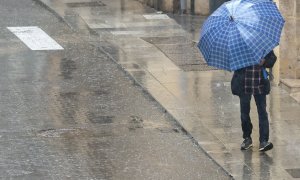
x: 182, y: 51
x: 85, y: 4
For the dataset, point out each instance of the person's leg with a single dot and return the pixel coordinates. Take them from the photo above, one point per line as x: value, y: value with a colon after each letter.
x: 245, y: 100
x: 261, y: 105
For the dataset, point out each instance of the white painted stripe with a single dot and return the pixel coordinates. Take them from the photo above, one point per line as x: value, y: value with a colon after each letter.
x: 35, y: 38
x: 156, y: 16
x: 127, y: 32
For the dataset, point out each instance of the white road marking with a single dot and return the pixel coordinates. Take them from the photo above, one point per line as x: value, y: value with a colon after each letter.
x: 35, y: 38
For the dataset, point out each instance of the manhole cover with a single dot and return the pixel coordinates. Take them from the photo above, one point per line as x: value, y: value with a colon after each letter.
x: 182, y: 51
x: 85, y: 4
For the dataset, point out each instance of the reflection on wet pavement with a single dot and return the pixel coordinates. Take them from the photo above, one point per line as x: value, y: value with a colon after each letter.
x: 74, y: 114
x: 200, y: 101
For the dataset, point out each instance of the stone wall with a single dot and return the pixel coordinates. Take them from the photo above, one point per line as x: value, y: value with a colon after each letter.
x: 162, y: 5
x: 290, y: 40
x: 202, y: 7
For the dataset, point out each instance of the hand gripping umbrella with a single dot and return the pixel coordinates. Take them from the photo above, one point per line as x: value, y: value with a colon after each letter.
x: 240, y: 33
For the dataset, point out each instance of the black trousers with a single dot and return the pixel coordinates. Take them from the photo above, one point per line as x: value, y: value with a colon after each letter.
x: 261, y: 105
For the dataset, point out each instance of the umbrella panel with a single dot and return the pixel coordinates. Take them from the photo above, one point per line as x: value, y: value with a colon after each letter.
x: 256, y: 32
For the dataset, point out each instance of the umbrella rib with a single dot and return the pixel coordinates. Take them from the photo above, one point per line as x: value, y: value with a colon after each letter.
x: 241, y: 18
x: 212, y: 42
x: 246, y: 52
x: 259, y: 44
x: 217, y: 40
x: 241, y: 31
x: 251, y: 9
x: 252, y: 26
x: 215, y: 18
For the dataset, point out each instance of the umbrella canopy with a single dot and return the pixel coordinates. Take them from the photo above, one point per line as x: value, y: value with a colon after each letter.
x: 240, y: 33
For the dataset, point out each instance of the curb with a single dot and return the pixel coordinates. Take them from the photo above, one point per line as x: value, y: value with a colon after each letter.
x: 53, y: 12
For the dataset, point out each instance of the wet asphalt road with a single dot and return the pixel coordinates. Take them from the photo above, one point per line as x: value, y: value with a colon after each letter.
x: 159, y: 53
x: 74, y: 114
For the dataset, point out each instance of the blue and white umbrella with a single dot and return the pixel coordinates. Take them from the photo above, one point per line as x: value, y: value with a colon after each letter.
x: 240, y: 33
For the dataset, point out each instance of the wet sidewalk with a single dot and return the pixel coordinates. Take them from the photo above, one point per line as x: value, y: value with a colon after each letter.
x: 159, y: 53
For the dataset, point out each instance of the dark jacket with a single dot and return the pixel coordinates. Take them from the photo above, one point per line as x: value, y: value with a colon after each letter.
x: 238, y: 83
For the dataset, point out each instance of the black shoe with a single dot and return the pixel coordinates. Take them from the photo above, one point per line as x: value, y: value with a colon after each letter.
x: 247, y: 143
x: 265, y: 146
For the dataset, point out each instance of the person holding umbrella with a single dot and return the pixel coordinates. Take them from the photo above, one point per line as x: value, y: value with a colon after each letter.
x: 238, y: 37
x: 248, y: 82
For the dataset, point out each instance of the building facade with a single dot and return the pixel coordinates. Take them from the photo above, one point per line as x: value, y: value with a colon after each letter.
x: 200, y: 7
x: 289, y: 49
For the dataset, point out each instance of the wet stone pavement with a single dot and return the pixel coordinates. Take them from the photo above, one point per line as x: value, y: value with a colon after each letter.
x: 75, y: 114
x: 157, y: 51
x: 198, y: 99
